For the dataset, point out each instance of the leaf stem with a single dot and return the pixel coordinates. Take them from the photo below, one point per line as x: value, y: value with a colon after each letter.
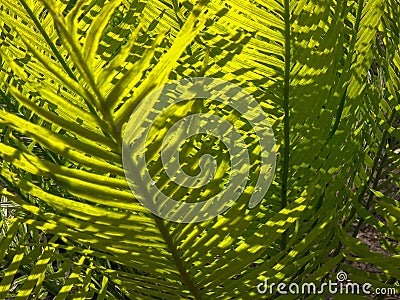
x: 177, y: 259
x: 286, y: 119
x: 48, y: 40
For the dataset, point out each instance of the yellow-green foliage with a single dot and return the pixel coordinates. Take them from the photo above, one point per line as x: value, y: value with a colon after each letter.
x: 71, y: 73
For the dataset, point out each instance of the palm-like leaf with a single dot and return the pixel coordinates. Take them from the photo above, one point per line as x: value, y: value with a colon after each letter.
x: 70, y: 80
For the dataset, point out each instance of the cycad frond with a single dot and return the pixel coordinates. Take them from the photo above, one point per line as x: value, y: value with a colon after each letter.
x: 73, y: 74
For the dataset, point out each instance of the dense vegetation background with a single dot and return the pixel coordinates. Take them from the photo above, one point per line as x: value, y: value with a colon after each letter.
x: 327, y: 76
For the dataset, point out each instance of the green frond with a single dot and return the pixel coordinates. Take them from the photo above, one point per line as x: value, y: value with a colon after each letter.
x: 327, y: 75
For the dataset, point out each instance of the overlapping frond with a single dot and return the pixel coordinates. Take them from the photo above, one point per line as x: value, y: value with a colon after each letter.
x: 72, y: 73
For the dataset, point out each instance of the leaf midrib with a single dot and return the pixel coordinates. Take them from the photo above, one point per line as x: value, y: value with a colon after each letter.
x: 286, y: 119
x: 177, y: 259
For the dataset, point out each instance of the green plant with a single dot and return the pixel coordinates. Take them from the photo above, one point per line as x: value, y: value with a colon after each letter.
x: 71, y: 74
